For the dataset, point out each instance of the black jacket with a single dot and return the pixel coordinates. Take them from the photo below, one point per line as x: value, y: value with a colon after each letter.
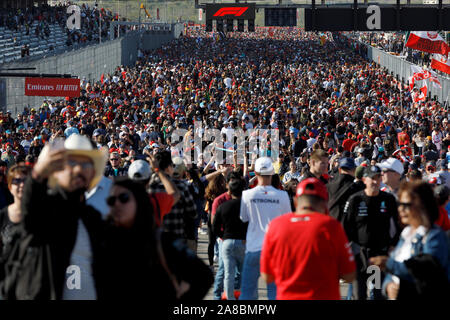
x: 109, y: 172
x: 367, y: 221
x: 52, y: 217
x: 339, y: 190
x: 131, y: 260
x: 298, y: 147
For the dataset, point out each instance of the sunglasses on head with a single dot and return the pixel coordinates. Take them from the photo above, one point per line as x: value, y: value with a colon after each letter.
x: 123, y: 198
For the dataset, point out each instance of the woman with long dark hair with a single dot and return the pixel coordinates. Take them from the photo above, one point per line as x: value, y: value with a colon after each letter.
x: 134, y: 263
x: 130, y: 261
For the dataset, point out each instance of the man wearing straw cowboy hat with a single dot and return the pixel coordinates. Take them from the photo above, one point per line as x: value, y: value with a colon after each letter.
x: 56, y: 213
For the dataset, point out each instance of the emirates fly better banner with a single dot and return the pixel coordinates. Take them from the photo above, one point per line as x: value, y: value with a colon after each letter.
x: 52, y: 87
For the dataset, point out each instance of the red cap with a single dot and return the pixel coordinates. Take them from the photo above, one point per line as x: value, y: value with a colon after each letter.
x: 311, y: 134
x: 328, y: 134
x: 314, y: 187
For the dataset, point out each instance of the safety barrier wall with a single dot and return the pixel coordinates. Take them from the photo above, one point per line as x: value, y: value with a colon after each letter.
x: 402, y: 69
x: 88, y: 63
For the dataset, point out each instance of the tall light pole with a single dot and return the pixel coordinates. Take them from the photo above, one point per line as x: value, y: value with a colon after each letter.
x: 100, y: 23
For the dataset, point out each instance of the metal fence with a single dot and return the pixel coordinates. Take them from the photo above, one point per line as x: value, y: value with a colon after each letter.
x: 88, y: 63
x: 402, y: 69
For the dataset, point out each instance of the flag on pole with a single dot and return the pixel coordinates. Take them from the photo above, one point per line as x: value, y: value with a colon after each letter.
x: 441, y: 63
x: 421, y: 74
x: 411, y: 81
x: 436, y: 82
x: 427, y: 41
x: 421, y: 95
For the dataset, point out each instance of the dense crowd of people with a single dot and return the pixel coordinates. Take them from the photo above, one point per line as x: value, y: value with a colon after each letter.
x: 95, y: 22
x: 362, y: 174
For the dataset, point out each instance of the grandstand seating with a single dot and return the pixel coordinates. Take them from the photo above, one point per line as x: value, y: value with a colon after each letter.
x: 11, y: 42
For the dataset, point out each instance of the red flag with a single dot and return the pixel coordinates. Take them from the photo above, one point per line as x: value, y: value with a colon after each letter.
x: 427, y: 41
x: 441, y: 63
x: 422, y: 94
x: 102, y: 78
x: 411, y: 81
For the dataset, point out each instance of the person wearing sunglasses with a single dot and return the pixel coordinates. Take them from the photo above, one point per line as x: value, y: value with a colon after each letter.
x: 135, y: 256
x: 11, y: 215
x: 114, y: 169
x: 55, y: 213
x: 422, y: 246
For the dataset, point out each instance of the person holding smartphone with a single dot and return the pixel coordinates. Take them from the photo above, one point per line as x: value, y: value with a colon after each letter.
x: 66, y: 224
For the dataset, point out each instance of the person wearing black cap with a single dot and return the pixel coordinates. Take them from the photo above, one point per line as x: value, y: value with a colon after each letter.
x: 371, y: 223
x: 342, y: 187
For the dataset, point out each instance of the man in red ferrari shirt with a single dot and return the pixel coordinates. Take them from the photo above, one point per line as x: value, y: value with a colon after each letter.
x: 306, y: 252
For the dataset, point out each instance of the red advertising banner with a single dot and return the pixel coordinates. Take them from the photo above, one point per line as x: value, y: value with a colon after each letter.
x: 52, y: 87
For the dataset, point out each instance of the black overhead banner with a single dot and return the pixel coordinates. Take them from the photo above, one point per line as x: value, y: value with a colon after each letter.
x: 375, y: 18
x: 245, y: 11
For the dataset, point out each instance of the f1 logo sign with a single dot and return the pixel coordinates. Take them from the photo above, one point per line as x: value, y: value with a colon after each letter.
x: 220, y: 11
x: 234, y: 11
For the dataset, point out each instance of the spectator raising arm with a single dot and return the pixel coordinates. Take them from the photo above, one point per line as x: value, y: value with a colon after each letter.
x: 168, y: 184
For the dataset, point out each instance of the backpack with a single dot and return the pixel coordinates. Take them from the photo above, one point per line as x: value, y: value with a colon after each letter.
x: 27, y: 270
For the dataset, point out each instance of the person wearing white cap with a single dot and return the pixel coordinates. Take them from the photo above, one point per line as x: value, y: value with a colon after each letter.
x: 140, y: 171
x: 391, y: 173
x: 258, y: 207
x: 60, y: 178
